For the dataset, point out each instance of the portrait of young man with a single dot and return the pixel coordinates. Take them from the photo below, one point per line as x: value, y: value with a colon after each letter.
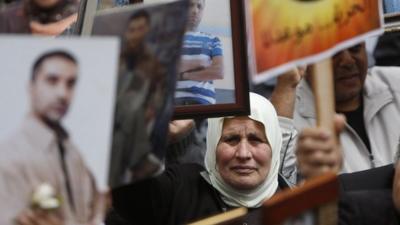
x: 151, y: 40
x: 140, y: 77
x: 45, y: 174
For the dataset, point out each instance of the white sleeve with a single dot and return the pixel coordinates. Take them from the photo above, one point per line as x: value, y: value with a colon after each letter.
x: 288, y: 167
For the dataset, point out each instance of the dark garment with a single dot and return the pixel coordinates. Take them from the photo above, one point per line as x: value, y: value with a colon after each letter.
x: 367, y: 207
x: 387, y: 51
x: 372, y: 179
x: 356, y: 121
x: 366, y: 197
x: 178, y: 196
x: 191, y: 148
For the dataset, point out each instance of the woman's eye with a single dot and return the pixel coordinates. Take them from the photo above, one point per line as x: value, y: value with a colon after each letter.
x: 255, y: 139
x: 231, y: 139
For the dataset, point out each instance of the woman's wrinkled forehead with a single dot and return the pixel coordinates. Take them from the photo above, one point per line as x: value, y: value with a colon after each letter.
x: 231, y: 124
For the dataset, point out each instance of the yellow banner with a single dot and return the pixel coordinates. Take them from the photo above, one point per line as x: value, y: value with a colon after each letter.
x: 290, y: 30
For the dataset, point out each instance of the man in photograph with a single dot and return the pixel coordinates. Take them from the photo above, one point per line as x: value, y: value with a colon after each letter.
x: 140, y: 86
x: 201, y: 62
x: 45, y: 17
x: 40, y: 159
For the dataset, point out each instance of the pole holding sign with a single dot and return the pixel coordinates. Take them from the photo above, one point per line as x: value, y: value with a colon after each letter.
x: 322, y: 84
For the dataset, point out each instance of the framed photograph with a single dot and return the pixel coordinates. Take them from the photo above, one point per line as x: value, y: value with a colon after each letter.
x: 212, y: 78
x: 151, y: 39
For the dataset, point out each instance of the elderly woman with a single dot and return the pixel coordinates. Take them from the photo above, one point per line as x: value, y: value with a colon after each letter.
x: 242, y: 164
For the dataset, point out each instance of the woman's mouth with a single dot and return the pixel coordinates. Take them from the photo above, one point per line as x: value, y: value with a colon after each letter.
x: 243, y: 169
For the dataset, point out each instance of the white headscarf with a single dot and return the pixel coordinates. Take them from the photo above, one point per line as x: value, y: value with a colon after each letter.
x: 263, y: 112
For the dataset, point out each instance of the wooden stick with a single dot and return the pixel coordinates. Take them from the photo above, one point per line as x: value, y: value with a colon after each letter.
x: 328, y: 214
x: 322, y: 79
x: 323, y: 89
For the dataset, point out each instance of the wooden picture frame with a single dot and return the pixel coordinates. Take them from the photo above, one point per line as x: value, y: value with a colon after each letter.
x: 86, y: 14
x: 236, y: 70
x: 237, y: 103
x: 240, y: 69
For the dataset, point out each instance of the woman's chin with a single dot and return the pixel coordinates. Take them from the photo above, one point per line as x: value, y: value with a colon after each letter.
x: 244, y: 184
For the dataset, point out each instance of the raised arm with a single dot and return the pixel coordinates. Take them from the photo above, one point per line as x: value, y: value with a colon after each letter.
x: 284, y: 95
x: 283, y: 98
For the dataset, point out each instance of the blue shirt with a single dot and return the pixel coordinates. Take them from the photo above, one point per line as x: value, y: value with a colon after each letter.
x: 198, y: 49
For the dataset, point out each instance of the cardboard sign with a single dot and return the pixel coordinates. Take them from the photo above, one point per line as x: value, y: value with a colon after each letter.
x: 293, y: 32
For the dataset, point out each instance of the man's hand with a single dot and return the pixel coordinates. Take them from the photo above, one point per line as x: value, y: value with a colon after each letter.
x: 53, y: 29
x: 38, y: 217
x: 284, y: 95
x: 291, y: 78
x: 318, y: 150
x: 179, y: 129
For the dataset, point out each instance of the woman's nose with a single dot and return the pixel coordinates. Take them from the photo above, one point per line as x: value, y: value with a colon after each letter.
x: 243, y: 150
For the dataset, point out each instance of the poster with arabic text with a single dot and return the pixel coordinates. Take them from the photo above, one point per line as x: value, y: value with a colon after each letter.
x: 296, y: 32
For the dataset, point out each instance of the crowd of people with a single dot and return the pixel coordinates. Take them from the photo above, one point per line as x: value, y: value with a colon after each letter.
x: 240, y: 165
x: 217, y: 164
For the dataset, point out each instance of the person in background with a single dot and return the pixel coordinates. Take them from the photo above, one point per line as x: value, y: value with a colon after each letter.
x: 43, y: 17
x: 370, y: 100
x: 387, y: 51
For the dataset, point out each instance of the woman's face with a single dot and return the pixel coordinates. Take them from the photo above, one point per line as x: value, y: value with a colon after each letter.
x: 243, y: 154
